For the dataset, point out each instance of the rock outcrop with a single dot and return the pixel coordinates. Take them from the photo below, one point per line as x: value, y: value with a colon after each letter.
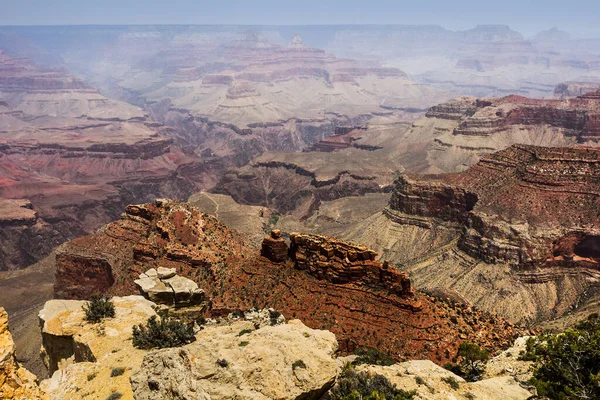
x: 340, y: 262
x: 360, y: 301
x: 15, y: 381
x: 432, y: 382
x: 274, y: 247
x: 237, y: 357
x: 164, y: 286
x: 516, y: 234
x: 287, y: 361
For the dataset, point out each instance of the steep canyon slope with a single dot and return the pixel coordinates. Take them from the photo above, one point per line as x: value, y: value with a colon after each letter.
x: 324, y: 282
x: 516, y: 233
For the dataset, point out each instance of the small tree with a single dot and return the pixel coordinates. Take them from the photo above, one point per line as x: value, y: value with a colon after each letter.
x: 166, y: 332
x: 567, y: 365
x: 473, y: 360
x: 98, y: 308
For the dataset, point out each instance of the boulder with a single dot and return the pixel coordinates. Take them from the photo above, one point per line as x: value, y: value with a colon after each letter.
x: 155, y: 290
x: 287, y: 361
x: 432, y: 382
x: 274, y: 247
x: 185, y: 291
x: 163, y: 286
x: 165, y: 273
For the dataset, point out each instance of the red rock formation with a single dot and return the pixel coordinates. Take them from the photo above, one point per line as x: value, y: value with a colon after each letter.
x: 528, y: 206
x: 340, y: 287
x: 274, y: 247
x: 341, y: 263
x: 576, y: 117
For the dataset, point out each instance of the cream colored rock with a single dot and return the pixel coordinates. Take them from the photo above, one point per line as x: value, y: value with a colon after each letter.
x: 15, y: 381
x: 507, y: 363
x: 165, y: 273
x: 434, y: 382
x: 81, y: 356
x: 221, y: 364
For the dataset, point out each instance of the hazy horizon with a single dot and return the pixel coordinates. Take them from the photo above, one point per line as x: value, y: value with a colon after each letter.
x: 527, y: 17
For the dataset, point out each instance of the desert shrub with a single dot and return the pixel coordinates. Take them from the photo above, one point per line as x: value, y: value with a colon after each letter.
x: 117, y: 372
x: 567, y: 365
x: 274, y: 219
x: 419, y: 380
x: 98, y: 308
x: 244, y: 332
x: 222, y: 362
x: 473, y: 360
x: 161, y: 333
x: 298, y: 364
x: 114, y: 396
x: 368, y: 355
x: 353, y: 385
x: 450, y: 380
x: 274, y: 315
x: 244, y: 344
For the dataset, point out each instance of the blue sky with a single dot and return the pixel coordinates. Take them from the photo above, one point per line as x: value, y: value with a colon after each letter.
x: 577, y: 16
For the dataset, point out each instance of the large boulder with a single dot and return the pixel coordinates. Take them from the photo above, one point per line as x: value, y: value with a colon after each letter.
x: 432, y: 382
x: 91, y: 360
x: 164, y: 286
x: 286, y: 361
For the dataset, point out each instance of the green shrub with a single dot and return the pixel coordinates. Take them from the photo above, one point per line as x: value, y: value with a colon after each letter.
x: 298, y: 364
x: 567, y: 365
x: 244, y: 344
x: 244, y: 332
x: 372, y: 356
x: 162, y: 333
x: 450, y: 380
x: 98, y: 308
x: 117, y: 372
x: 454, y: 368
x: 419, y: 380
x: 274, y: 219
x: 222, y: 362
x: 353, y: 385
x: 274, y: 315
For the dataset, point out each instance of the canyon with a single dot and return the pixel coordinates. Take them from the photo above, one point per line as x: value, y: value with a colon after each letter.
x: 70, y: 158
x: 366, y: 159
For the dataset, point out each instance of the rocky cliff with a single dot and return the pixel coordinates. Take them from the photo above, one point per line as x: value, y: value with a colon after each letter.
x: 15, y: 381
x: 341, y: 287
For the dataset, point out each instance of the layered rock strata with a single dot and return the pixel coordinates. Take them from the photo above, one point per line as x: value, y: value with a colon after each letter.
x: 515, y: 234
x: 74, y: 158
x: 527, y: 206
x: 340, y: 262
